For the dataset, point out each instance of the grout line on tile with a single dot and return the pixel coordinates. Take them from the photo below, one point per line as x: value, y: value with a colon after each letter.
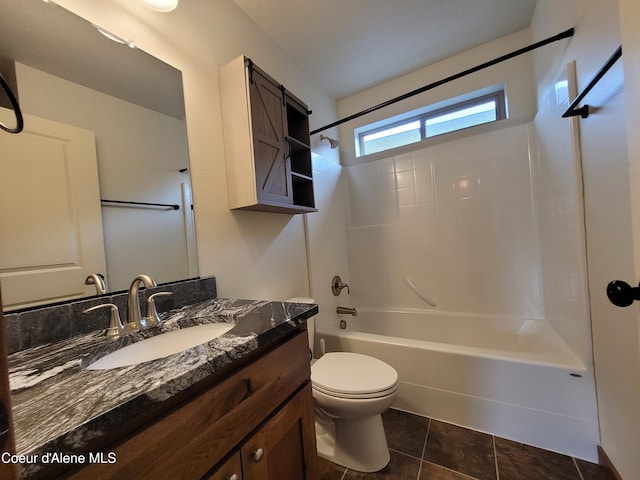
x: 575, y: 463
x: 403, y: 453
x: 451, y: 470
x: 424, y: 448
x: 419, y: 469
x: 495, y: 456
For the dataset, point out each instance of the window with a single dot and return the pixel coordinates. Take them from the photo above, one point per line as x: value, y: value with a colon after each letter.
x: 396, y: 133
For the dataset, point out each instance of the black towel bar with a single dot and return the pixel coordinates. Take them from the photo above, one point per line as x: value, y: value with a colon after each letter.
x: 145, y: 204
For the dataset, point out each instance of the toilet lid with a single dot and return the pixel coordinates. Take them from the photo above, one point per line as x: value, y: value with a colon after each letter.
x: 352, y: 374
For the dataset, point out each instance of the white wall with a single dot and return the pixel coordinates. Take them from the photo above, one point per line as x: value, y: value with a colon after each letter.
x: 255, y: 255
x: 610, y: 240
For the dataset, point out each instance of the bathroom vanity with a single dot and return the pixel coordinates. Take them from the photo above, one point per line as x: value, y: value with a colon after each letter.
x: 239, y: 404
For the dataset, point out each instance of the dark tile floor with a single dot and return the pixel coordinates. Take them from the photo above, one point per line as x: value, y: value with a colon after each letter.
x: 427, y: 449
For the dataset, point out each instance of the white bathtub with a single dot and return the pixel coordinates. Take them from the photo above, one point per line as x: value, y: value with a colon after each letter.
x: 515, y: 378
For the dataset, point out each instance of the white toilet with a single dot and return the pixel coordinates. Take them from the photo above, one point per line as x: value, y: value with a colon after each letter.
x: 350, y: 391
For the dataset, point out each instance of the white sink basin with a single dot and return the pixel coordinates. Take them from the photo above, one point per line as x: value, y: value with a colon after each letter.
x: 161, y: 346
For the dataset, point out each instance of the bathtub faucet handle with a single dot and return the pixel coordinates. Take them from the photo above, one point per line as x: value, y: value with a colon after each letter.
x: 337, y: 285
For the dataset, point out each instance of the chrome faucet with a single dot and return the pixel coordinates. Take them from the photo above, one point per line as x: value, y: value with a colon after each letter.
x: 347, y: 311
x: 133, y: 305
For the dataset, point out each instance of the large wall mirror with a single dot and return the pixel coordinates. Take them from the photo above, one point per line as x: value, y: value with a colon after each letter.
x: 104, y: 124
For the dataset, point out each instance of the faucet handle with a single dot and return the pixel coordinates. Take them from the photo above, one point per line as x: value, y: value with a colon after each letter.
x: 115, y: 324
x: 152, y: 319
x: 337, y: 285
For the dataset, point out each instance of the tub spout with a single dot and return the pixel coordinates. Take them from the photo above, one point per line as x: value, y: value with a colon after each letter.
x: 347, y: 311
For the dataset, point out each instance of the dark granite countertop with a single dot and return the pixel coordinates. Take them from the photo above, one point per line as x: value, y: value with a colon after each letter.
x: 61, y: 407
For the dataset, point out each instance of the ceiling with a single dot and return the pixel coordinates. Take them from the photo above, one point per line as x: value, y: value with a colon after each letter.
x: 52, y: 39
x: 349, y: 45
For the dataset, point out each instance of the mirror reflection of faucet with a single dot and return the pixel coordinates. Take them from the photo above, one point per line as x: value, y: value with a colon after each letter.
x: 97, y: 279
x: 347, y: 311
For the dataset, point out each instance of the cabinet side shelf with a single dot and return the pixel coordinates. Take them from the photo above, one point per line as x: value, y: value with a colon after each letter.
x: 297, y: 145
x: 298, y: 177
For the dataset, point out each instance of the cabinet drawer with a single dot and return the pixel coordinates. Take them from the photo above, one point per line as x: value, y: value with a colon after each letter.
x: 230, y: 470
x: 186, y: 443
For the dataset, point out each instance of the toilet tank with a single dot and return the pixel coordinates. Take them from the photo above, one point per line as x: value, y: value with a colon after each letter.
x: 310, y: 321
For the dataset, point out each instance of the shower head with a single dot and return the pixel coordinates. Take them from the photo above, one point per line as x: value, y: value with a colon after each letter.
x: 333, y: 143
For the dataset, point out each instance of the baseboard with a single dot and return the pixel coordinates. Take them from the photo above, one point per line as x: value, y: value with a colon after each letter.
x: 604, y: 459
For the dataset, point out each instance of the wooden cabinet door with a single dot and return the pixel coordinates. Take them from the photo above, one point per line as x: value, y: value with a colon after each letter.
x: 285, y: 447
x: 268, y: 123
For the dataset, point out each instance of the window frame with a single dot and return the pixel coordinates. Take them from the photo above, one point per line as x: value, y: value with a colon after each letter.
x: 501, y: 114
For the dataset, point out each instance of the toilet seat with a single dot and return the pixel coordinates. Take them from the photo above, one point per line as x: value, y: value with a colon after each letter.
x: 353, y: 375
x: 371, y: 395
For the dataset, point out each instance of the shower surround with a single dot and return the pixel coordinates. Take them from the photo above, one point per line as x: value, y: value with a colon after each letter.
x: 456, y: 219
x: 488, y: 227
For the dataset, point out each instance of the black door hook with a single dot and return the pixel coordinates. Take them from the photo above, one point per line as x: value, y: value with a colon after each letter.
x: 621, y: 293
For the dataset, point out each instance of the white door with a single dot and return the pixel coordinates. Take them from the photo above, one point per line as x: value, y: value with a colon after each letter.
x: 617, y: 336
x: 49, y: 213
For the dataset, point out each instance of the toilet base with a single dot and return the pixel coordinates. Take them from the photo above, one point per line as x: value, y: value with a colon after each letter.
x: 359, y: 445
